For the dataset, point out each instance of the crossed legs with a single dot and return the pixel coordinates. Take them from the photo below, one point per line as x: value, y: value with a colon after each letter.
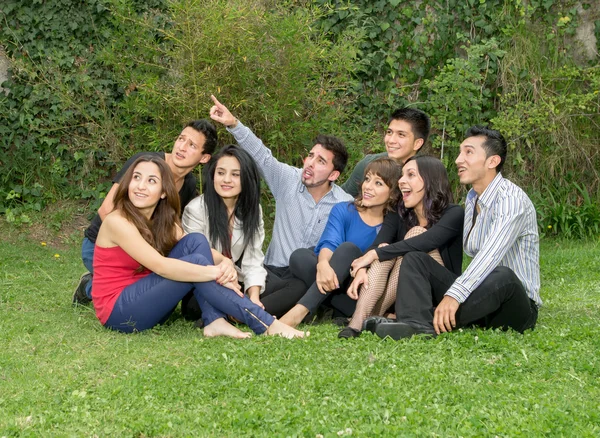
x: 383, y: 285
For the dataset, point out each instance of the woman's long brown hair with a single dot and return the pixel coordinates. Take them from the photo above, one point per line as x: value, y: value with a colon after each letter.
x: 160, y: 230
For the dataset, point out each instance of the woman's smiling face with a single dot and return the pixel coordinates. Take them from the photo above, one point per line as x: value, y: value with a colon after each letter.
x: 412, y: 186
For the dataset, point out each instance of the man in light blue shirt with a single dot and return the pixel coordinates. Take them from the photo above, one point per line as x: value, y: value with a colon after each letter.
x: 303, y: 199
x: 500, y: 287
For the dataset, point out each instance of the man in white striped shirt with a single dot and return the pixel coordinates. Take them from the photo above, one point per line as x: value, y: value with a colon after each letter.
x: 303, y: 200
x: 500, y: 287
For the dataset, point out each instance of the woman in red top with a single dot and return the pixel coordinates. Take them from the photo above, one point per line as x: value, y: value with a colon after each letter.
x: 144, y: 264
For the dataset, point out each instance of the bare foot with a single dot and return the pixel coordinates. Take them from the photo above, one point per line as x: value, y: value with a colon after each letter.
x: 281, y: 329
x: 220, y: 327
x: 295, y: 315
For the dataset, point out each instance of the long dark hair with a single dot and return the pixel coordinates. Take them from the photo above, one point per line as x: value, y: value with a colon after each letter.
x: 247, y: 206
x: 159, y: 231
x: 389, y: 171
x: 437, y: 195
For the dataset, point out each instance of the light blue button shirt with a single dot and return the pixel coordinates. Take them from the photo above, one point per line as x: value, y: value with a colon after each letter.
x: 299, y: 220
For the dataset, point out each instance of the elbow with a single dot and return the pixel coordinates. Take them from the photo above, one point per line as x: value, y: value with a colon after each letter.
x: 103, y: 211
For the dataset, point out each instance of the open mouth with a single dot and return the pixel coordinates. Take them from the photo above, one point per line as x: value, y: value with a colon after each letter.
x: 405, y: 192
x: 180, y: 156
x: 307, y: 173
x: 367, y: 195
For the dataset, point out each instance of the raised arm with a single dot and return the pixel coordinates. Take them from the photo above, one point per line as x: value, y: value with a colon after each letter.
x: 278, y: 176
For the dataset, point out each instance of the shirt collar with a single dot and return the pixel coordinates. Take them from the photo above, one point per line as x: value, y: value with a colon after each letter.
x: 490, y: 191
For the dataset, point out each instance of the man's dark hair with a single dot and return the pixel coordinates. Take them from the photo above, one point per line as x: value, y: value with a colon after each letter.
x: 334, y: 145
x: 418, y: 120
x: 209, y: 131
x: 494, y: 143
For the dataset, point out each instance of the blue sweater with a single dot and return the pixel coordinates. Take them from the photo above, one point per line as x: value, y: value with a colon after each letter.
x: 345, y: 225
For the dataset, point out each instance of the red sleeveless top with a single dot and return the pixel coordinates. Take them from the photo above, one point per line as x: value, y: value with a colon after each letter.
x: 114, y: 270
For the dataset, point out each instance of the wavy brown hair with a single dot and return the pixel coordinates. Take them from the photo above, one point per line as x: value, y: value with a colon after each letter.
x: 160, y: 230
x: 389, y: 171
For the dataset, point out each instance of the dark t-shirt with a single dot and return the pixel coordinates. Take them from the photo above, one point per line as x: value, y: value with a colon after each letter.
x: 188, y: 192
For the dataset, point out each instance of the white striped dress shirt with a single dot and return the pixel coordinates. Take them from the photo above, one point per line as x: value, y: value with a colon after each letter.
x: 505, y: 234
x: 299, y: 221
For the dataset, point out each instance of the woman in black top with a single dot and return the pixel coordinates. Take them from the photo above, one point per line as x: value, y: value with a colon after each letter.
x: 426, y: 222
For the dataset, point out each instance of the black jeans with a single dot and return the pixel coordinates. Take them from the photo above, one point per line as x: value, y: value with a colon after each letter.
x: 500, y: 301
x: 303, y: 264
x: 282, y: 290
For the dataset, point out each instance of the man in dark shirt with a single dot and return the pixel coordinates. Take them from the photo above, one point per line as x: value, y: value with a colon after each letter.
x: 193, y: 146
x: 407, y: 131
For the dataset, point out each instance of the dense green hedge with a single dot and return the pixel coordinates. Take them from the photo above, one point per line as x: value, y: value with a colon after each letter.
x: 94, y: 81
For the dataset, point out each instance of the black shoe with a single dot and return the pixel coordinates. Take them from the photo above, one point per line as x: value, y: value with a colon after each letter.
x: 341, y: 321
x: 79, y: 296
x: 401, y: 330
x: 370, y: 324
x: 348, y: 333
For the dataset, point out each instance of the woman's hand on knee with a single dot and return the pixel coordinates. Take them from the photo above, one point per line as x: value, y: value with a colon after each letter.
x: 327, y: 280
x: 227, y: 272
x: 234, y: 286
x: 361, y: 278
x: 363, y: 262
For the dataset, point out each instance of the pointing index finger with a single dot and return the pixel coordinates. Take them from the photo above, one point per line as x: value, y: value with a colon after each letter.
x: 214, y: 99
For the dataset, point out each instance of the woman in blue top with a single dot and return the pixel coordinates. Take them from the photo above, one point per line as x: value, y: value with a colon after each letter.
x: 350, y: 230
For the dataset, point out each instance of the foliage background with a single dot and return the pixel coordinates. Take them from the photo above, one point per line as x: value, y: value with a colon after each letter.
x: 93, y: 82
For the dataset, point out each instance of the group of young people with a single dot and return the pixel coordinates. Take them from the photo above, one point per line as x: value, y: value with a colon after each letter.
x: 384, y: 250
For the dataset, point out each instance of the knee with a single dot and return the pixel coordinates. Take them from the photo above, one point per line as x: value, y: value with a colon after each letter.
x: 196, y: 259
x: 413, y: 258
x: 349, y: 249
x: 195, y: 239
x: 502, y: 274
x: 300, y: 258
x: 415, y: 231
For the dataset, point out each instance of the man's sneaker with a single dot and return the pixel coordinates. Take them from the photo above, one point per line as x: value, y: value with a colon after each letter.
x: 79, y: 296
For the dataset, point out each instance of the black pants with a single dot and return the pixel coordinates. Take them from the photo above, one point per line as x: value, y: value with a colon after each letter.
x: 282, y: 290
x: 303, y: 264
x: 500, y: 301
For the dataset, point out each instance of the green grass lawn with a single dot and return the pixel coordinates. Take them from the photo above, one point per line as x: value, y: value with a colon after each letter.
x: 62, y: 374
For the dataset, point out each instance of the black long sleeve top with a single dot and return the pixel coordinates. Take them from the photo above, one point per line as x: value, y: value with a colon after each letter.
x: 445, y: 235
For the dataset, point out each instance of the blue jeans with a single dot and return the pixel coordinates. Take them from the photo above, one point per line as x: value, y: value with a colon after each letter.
x: 87, y: 256
x: 151, y: 300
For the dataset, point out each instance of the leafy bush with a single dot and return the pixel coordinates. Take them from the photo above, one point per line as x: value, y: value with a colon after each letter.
x: 266, y: 62
x: 567, y: 213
